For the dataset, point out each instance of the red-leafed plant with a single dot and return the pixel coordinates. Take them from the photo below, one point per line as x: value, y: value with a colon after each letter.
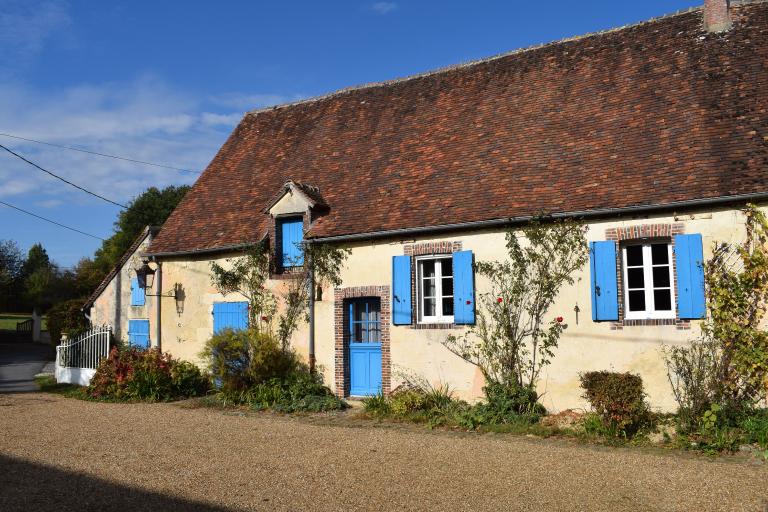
x: 148, y: 375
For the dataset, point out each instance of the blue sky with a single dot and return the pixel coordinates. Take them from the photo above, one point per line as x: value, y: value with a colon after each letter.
x: 167, y: 81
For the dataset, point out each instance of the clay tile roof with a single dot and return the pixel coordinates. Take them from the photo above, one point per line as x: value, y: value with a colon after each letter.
x: 653, y: 113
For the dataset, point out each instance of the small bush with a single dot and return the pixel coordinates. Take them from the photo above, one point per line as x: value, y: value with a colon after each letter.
x: 618, y: 398
x: 146, y: 375
x: 377, y: 405
x: 299, y: 392
x: 238, y: 360
x: 692, y: 373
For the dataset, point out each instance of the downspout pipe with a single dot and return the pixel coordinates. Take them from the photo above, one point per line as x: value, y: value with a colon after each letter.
x: 158, y: 304
x: 311, y: 300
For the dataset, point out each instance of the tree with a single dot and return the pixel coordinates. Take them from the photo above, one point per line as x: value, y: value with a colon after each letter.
x: 151, y: 208
x: 38, y: 274
x: 514, y: 338
x: 248, y: 276
x: 10, y: 274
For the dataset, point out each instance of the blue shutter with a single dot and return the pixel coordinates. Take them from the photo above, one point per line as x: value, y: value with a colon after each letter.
x: 232, y: 315
x: 137, y: 293
x: 689, y: 262
x: 291, y: 236
x: 463, y: 288
x: 401, y: 290
x: 138, y: 333
x: 602, y: 262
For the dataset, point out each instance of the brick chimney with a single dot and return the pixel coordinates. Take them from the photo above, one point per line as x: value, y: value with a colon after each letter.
x: 717, y: 16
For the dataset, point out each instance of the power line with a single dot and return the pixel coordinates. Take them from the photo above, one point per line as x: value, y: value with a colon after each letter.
x: 51, y: 221
x: 144, y: 162
x: 62, y: 179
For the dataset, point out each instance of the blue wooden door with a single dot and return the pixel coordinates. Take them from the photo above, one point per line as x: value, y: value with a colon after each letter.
x: 364, y: 335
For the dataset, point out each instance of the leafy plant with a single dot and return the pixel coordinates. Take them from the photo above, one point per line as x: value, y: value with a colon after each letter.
x: 709, y: 418
x: 239, y: 359
x: 66, y: 318
x: 145, y: 375
x: 693, y: 372
x: 513, y: 340
x: 737, y: 295
x: 618, y: 398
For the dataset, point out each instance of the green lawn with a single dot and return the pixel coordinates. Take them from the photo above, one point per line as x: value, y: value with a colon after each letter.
x: 8, y: 321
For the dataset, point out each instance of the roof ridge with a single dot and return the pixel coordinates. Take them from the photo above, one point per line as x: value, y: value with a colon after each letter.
x: 475, y: 62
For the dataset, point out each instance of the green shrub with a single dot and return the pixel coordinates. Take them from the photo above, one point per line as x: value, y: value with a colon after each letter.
x: 240, y: 359
x: 755, y: 428
x: 66, y: 318
x: 692, y: 372
x: 299, y: 392
x: 618, y: 398
x: 146, y: 375
x: 377, y: 405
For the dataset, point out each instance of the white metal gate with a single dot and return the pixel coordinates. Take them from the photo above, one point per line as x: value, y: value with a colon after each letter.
x: 77, y: 359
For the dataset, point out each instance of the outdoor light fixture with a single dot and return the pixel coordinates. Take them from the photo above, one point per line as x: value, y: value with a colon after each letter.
x: 146, y: 275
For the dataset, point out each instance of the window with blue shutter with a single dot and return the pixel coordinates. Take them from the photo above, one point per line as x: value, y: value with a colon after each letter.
x: 401, y: 290
x: 138, y: 333
x: 602, y: 262
x: 137, y: 293
x: 232, y: 315
x: 291, y: 236
x: 463, y: 288
x: 689, y: 262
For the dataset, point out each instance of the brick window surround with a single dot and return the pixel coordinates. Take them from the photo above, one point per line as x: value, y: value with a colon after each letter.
x: 341, y: 352
x: 428, y: 249
x: 662, y: 231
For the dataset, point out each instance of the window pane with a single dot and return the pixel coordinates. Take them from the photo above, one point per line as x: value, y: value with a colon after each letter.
x: 447, y: 286
x: 659, y: 254
x: 447, y: 267
x: 374, y: 333
x: 662, y: 300
x: 428, y: 268
x: 357, y: 332
x: 429, y: 307
x: 635, y: 278
x: 429, y: 288
x: 637, y: 300
x: 661, y: 277
x: 448, y: 306
x: 634, y: 255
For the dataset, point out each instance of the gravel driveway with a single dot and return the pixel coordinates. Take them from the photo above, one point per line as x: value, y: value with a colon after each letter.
x: 65, y: 454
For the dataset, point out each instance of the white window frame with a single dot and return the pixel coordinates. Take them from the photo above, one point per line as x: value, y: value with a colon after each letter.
x: 439, y: 318
x: 650, y: 312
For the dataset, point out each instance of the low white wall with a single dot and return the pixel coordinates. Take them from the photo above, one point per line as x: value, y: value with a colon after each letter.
x: 79, y: 376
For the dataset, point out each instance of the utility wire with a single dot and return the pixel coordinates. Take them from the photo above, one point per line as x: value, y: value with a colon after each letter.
x: 51, y: 221
x: 62, y: 179
x: 101, y: 154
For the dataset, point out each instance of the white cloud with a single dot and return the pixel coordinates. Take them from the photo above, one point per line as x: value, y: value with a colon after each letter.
x: 384, y: 7
x: 143, y: 120
x: 25, y: 26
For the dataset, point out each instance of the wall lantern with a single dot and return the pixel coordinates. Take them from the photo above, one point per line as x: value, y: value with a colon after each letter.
x: 146, y: 275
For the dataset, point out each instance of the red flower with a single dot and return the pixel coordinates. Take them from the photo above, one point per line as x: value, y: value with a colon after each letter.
x: 559, y: 319
x: 469, y: 302
x: 499, y: 300
x: 264, y: 318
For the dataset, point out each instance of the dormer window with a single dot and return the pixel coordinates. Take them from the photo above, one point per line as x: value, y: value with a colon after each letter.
x: 291, y: 233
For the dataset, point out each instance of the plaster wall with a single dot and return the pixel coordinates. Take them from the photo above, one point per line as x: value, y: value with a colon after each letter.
x: 113, y: 305
x: 585, y: 345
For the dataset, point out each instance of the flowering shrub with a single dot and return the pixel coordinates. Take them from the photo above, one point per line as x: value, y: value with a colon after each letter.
x: 148, y: 375
x: 618, y: 398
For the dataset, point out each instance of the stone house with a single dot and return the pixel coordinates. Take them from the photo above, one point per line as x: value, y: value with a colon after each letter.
x: 655, y: 134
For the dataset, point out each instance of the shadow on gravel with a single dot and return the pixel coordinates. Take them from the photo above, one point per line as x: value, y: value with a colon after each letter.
x: 26, y: 486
